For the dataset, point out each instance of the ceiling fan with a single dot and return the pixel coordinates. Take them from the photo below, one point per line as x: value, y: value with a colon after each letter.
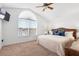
x: 46, y: 6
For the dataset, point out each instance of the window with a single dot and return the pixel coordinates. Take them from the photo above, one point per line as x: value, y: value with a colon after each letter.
x: 27, y: 23
x: 27, y: 27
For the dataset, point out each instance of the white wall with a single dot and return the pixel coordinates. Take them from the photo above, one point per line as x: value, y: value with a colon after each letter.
x: 0, y: 33
x: 0, y: 30
x: 10, y: 31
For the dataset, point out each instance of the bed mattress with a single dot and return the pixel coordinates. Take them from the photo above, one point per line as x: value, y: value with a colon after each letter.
x: 55, y: 43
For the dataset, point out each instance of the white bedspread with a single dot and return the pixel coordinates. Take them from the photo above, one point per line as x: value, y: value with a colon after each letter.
x: 54, y: 43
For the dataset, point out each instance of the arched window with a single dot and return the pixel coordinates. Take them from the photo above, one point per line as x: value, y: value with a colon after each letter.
x: 27, y: 24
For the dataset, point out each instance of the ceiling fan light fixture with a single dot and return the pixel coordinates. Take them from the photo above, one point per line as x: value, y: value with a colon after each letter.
x: 46, y: 6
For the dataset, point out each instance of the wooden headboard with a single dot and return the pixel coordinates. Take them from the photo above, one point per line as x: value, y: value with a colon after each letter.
x: 71, y: 30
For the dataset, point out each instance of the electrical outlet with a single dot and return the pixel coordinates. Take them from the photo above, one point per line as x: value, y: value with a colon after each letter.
x: 2, y: 40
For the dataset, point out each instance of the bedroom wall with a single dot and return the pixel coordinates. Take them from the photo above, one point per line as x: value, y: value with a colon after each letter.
x: 10, y: 31
x: 0, y: 33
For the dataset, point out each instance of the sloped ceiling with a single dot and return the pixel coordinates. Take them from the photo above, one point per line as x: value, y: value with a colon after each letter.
x: 31, y: 6
x: 61, y: 11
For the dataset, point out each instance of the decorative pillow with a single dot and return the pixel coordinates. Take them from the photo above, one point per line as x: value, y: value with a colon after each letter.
x: 55, y: 32
x: 59, y: 32
x: 69, y: 34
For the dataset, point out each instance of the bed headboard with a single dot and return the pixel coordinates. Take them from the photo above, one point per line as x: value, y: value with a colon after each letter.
x: 69, y: 30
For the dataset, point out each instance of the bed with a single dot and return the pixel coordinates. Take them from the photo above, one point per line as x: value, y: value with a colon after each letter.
x: 56, y: 43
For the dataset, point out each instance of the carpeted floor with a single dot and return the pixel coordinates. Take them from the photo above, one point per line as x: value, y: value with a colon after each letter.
x: 25, y: 49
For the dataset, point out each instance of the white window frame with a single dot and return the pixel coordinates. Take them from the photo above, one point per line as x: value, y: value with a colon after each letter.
x: 20, y: 35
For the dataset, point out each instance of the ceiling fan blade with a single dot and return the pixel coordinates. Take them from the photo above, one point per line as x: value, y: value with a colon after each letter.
x: 45, y: 4
x: 50, y: 8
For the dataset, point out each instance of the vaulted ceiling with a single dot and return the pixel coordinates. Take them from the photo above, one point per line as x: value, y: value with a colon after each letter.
x: 61, y: 11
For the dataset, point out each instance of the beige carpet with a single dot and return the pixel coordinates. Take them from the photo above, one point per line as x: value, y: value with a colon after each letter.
x: 25, y: 49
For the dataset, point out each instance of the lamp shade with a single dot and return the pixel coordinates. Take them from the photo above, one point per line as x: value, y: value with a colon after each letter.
x: 2, y: 13
x: 2, y: 16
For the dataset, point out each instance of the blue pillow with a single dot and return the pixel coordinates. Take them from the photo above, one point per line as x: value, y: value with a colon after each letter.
x: 59, y: 32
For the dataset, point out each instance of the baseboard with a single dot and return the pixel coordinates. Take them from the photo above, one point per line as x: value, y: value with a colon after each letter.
x: 17, y: 42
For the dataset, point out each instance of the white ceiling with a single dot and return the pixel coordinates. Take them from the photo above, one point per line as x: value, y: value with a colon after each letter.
x: 31, y: 6
x: 19, y: 5
x: 61, y: 10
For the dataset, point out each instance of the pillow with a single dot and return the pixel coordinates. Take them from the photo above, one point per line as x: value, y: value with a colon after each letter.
x: 69, y: 34
x: 59, y: 32
x: 55, y: 32
x: 77, y: 35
